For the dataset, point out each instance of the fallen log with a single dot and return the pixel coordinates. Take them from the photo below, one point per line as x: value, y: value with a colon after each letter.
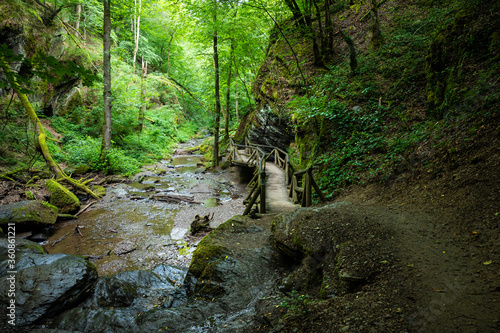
x: 174, y: 198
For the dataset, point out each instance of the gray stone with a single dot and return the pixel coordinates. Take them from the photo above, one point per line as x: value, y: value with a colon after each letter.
x: 46, y: 284
x: 28, y: 213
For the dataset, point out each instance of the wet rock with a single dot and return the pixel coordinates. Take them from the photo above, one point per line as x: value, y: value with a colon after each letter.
x: 128, y: 294
x: 21, y: 245
x: 62, y: 198
x: 46, y: 284
x: 267, y: 128
x: 28, y: 213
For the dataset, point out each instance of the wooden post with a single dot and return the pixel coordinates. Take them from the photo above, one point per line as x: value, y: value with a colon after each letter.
x: 287, y: 170
x: 250, y: 204
x: 308, y: 188
x: 262, y: 192
x: 293, y: 190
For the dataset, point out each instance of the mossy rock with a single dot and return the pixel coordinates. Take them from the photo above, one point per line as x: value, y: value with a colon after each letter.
x: 99, y: 190
x: 22, y: 245
x: 62, y: 198
x: 81, y: 169
x: 28, y: 213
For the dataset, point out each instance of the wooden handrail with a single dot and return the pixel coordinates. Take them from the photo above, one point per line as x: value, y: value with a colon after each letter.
x: 301, y: 182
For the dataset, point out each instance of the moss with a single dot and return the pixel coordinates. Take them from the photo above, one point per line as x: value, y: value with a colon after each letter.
x: 29, y: 246
x: 62, y: 198
x: 99, y: 190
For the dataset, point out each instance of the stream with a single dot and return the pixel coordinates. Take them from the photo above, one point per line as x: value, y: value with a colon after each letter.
x: 132, y: 229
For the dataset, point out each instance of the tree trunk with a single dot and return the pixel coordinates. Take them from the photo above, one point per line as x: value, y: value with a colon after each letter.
x: 297, y: 14
x: 168, y: 52
x: 353, y: 63
x: 377, y: 37
x: 40, y: 133
x: 107, y: 78
x: 78, y: 14
x: 228, y: 94
x: 142, y: 109
x: 217, y: 92
x: 137, y: 30
x: 236, y: 111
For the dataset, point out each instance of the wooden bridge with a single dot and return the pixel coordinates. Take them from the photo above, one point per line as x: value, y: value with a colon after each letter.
x: 275, y: 186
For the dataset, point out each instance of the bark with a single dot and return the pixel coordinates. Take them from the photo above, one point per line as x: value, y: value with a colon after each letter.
x: 377, y: 37
x: 297, y: 14
x: 228, y: 93
x: 41, y: 135
x: 168, y: 52
x: 217, y: 92
x: 137, y: 24
x: 78, y: 14
x: 142, y: 109
x: 107, y: 77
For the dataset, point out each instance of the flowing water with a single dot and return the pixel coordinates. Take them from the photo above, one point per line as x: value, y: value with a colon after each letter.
x: 130, y: 228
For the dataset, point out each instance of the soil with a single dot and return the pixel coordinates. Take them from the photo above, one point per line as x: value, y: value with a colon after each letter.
x: 444, y: 219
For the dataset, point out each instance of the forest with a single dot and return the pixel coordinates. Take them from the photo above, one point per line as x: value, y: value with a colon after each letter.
x: 391, y: 103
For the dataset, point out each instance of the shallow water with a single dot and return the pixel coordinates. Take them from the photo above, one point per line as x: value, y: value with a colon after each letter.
x: 128, y: 229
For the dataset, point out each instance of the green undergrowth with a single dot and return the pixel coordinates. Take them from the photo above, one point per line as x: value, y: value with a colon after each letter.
x: 432, y: 76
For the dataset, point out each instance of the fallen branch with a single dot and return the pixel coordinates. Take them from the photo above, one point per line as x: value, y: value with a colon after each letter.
x: 84, y: 208
x: 60, y: 239
x: 77, y: 229
x: 126, y: 252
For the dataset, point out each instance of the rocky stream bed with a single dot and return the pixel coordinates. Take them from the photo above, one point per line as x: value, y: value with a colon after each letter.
x: 347, y: 266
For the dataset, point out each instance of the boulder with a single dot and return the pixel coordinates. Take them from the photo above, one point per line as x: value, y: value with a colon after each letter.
x: 331, y: 250
x: 28, y: 213
x: 45, y: 284
x: 62, y: 198
x: 120, y: 300
x: 72, y: 99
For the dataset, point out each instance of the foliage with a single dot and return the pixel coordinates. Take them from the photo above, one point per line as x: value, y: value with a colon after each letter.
x: 359, y: 127
x: 296, y: 304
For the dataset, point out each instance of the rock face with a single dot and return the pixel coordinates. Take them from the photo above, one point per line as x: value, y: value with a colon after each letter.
x: 28, y: 213
x: 326, y: 265
x: 45, y: 284
x: 62, y: 198
x: 265, y: 128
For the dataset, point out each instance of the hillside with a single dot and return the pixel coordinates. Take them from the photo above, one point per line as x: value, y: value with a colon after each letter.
x: 416, y: 121
x: 411, y: 127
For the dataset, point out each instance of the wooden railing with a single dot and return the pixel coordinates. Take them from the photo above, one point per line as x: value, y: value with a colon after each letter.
x: 300, y: 182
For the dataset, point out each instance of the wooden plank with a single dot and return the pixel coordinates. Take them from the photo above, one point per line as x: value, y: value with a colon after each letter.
x: 320, y: 193
x: 254, y: 198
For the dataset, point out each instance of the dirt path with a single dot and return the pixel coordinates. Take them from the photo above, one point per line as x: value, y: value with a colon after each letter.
x: 277, y: 199
x: 454, y: 288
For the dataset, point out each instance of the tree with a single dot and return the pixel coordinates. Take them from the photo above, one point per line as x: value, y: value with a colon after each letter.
x: 12, y: 80
x: 142, y: 109
x: 136, y: 23
x: 217, y: 92
x: 107, y: 78
x: 377, y: 37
